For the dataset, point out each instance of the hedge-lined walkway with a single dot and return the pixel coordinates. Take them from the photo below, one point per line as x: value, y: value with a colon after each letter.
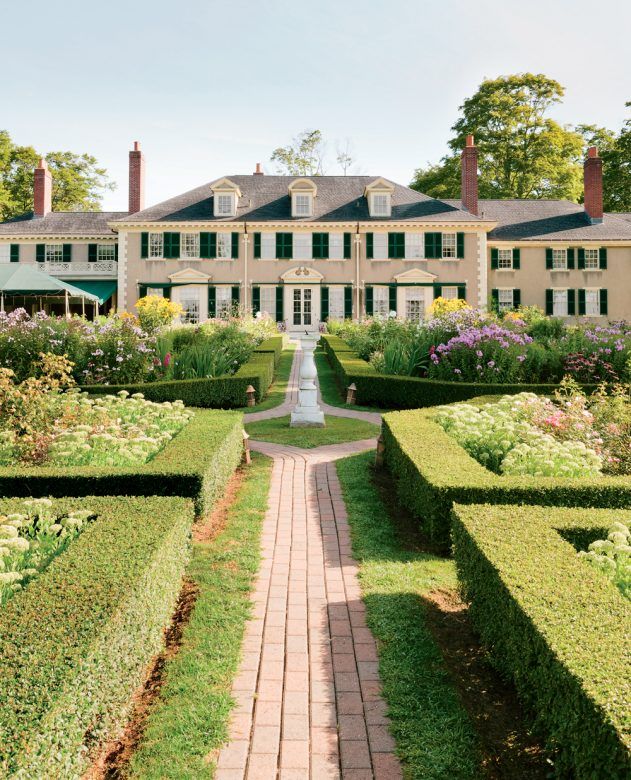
x: 308, y: 692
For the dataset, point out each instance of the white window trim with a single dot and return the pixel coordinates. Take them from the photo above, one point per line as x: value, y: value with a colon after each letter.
x: 385, y: 257
x: 268, y: 238
x: 184, y: 256
x: 227, y: 243
x: 384, y: 292
x: 336, y: 254
x: 161, y: 237
x: 565, y: 268
x: 270, y: 291
x: 597, y: 291
x: 58, y: 249
x: 337, y: 292
x: 511, y: 290
x: 504, y: 249
x: 294, y: 204
x: 307, y: 239
x: 388, y: 210
x: 5, y: 253
x: 111, y: 252
x: 597, y: 266
x: 560, y: 289
x: 408, y: 245
x: 217, y: 197
x: 449, y: 287
x: 455, y: 247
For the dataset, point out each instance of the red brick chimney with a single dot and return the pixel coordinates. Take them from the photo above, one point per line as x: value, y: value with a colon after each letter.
x: 469, y: 176
x: 593, y: 179
x: 136, y: 179
x: 258, y: 171
x: 42, y: 190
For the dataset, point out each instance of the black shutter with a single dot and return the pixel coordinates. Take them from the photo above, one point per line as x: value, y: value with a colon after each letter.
x: 142, y: 290
x: 280, y: 316
x: 438, y: 242
x: 516, y: 299
x: 257, y: 246
x: 603, y: 302
x: 571, y: 302
x: 396, y: 246
x: 256, y: 300
x: 166, y: 293
x: 212, y: 246
x: 40, y: 253
x: 171, y: 246
x: 392, y: 297
x: 581, y: 259
x: 166, y: 245
x: 212, y: 301
x: 460, y: 246
x: 116, y: 251
x: 516, y: 258
x: 15, y: 253
x: 348, y: 301
x: 235, y: 246
x: 433, y: 246
x: 462, y: 293
x: 494, y: 259
x: 549, y: 258
x: 602, y: 258
x: 320, y: 246
x: 92, y: 253
x: 549, y: 302
x: 144, y: 245
x: 495, y: 300
x: 581, y: 302
x: 67, y: 255
x: 370, y: 252
x: 236, y: 294
x: 437, y: 291
x: 570, y: 258
x: 204, y: 246
x: 284, y: 246
x: 324, y: 303
x: 347, y: 246
x: 369, y: 302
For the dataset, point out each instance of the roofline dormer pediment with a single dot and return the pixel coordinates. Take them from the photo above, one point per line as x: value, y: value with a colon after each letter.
x: 303, y: 185
x: 225, y: 185
x: 379, y: 185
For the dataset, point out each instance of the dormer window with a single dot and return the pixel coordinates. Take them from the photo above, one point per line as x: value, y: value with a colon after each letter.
x: 225, y: 198
x: 302, y: 193
x: 380, y: 205
x: 303, y: 205
x: 225, y: 206
x: 379, y: 196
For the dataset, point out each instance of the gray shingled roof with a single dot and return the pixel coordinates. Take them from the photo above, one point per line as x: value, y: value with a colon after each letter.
x: 62, y: 223
x: 558, y: 220
x: 266, y: 199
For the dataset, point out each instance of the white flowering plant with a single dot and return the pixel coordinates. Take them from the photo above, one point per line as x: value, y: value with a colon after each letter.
x: 612, y: 556
x: 29, y: 541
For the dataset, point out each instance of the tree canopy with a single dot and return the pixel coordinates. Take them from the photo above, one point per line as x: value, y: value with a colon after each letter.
x: 78, y: 181
x: 306, y: 155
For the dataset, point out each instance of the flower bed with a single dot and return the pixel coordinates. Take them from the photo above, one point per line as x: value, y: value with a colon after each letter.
x: 555, y: 625
x: 75, y: 644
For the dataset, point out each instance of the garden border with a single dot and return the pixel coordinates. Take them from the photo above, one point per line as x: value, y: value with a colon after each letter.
x: 432, y: 472
x: 75, y: 644
x: 555, y: 625
x: 195, y: 464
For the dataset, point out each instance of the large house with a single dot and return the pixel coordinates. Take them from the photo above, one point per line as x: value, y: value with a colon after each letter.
x: 304, y: 249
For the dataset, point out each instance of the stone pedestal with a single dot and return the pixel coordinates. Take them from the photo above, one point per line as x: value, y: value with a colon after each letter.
x: 307, y: 413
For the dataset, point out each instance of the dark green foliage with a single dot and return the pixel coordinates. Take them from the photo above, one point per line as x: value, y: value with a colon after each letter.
x: 272, y: 344
x: 556, y: 626
x: 196, y: 464
x: 432, y: 472
x: 75, y: 644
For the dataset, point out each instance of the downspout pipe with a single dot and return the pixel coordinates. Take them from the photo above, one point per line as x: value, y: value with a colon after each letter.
x: 357, y: 250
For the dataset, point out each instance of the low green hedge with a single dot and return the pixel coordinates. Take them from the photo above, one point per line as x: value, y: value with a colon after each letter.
x: 388, y: 391
x: 195, y: 464
x: 555, y: 625
x: 272, y: 344
x: 76, y: 642
x: 221, y: 392
x: 432, y: 472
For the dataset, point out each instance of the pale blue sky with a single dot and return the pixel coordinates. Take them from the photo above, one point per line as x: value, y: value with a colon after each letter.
x: 210, y: 88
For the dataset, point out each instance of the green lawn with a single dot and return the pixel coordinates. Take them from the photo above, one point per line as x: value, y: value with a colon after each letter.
x: 434, y: 735
x: 190, y: 717
x: 329, y: 388
x: 337, y: 430
x: 276, y: 394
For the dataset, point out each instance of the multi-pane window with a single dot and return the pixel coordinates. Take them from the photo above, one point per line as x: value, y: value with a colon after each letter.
x: 559, y: 259
x: 591, y: 260
x: 189, y: 300
x: 380, y: 205
x: 302, y: 205
x: 559, y: 303
x: 223, y: 301
x: 336, y: 246
x: 505, y: 300
x: 336, y: 303
x: 380, y: 301
x: 189, y: 245
x: 504, y: 259
x: 414, y: 246
x: 224, y: 246
x: 54, y: 253
x: 592, y: 303
x: 268, y: 301
x: 225, y: 206
x: 156, y: 245
x: 449, y: 293
x: 449, y: 245
x: 105, y: 252
x: 302, y: 245
x: 5, y: 253
x: 268, y: 246
x: 155, y: 291
x: 415, y: 303
x: 380, y: 246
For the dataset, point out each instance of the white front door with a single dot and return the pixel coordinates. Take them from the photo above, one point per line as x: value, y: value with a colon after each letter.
x: 302, y: 314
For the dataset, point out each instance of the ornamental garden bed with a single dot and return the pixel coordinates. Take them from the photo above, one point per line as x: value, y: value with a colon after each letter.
x: 555, y: 625
x: 76, y: 640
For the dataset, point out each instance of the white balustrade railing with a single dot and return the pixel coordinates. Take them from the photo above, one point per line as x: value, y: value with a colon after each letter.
x: 74, y: 268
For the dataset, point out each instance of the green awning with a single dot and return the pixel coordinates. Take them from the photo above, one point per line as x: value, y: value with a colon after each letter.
x: 103, y: 289
x: 23, y: 279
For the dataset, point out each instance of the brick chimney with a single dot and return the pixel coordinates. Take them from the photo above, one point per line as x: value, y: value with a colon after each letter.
x: 136, y: 179
x: 258, y: 171
x: 469, y: 176
x: 42, y: 190
x: 593, y: 179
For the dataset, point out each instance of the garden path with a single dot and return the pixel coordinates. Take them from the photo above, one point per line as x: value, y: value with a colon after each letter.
x: 308, y: 692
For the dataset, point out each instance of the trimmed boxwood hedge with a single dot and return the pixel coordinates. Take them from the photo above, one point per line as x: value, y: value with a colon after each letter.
x: 555, y: 625
x: 195, y: 464
x: 432, y: 472
x: 76, y: 642
x: 221, y: 392
x: 388, y: 391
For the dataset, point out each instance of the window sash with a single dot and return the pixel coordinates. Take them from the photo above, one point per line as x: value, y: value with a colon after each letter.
x: 54, y: 253
x: 189, y: 245
x: 336, y: 246
x: 189, y: 300
x: 559, y: 259
x: 414, y: 246
x: 505, y: 259
x: 336, y: 303
x: 223, y: 301
x: 157, y: 291
x: 224, y: 246
x: 381, y: 301
x: 268, y: 246
x: 380, y: 246
x: 156, y: 245
x: 380, y: 205
x: 592, y: 259
x: 559, y: 303
x: 5, y: 253
x: 302, y: 246
x: 105, y: 252
x: 268, y: 301
x: 592, y: 303
x: 505, y: 299
x: 449, y: 245
x: 225, y: 206
x: 302, y: 205
x: 449, y: 293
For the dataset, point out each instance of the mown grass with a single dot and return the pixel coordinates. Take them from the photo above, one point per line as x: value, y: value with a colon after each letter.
x: 434, y: 735
x: 276, y: 394
x: 329, y: 388
x: 337, y: 430
x: 190, y: 718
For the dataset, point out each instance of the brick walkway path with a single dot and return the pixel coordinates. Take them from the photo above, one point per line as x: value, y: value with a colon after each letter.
x: 308, y: 691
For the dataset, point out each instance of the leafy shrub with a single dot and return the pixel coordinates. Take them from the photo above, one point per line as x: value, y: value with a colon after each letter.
x: 156, y: 311
x: 612, y: 556
x: 545, y: 328
x: 441, y: 306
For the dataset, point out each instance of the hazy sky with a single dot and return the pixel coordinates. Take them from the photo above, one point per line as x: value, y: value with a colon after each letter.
x: 210, y: 88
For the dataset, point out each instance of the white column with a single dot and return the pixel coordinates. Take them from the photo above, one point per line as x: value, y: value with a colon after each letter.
x: 307, y: 413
